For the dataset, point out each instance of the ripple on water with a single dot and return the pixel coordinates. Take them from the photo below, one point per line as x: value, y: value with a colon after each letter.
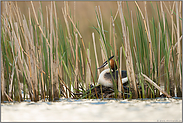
x: 160, y: 102
x: 98, y: 103
x: 124, y: 102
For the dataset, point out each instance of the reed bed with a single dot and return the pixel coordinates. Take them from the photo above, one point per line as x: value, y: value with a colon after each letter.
x: 45, y: 60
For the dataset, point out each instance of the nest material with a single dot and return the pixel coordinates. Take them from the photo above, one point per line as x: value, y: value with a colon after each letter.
x: 102, y: 91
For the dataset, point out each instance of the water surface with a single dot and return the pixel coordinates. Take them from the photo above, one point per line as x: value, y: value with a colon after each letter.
x: 160, y: 109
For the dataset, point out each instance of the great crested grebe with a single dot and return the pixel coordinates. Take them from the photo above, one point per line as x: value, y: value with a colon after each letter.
x: 105, y: 78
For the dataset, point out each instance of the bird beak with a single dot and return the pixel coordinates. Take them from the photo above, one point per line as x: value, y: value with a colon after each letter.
x: 105, y: 63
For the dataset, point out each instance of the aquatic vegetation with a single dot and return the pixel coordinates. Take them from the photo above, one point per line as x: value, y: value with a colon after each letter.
x: 48, y: 59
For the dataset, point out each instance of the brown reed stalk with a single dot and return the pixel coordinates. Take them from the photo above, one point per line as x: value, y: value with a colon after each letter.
x: 101, y: 22
x: 82, y: 65
x: 12, y: 74
x: 17, y: 73
x: 119, y: 69
x: 47, y: 47
x: 147, y: 32
x: 11, y: 81
x: 28, y: 67
x: 93, y: 37
x: 88, y: 75
x: 149, y: 38
x: 178, y: 48
x: 63, y: 83
x: 129, y: 62
x: 119, y: 79
x: 171, y: 72
x: 9, y: 98
x: 33, y: 59
x: 76, y: 86
x: 155, y: 85
x: 30, y: 58
x: 180, y: 12
x: 133, y: 31
x: 85, y: 53
x: 65, y: 13
x: 40, y: 56
x: 16, y: 37
x: 39, y: 24
x: 170, y: 78
x: 21, y: 60
x: 114, y: 37
x: 103, y: 52
x: 42, y: 80
x: 3, y: 98
x: 150, y: 44
x: 51, y: 96
x: 56, y: 56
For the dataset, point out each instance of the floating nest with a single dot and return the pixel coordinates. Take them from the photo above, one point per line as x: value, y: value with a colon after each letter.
x: 108, y: 92
x: 102, y: 92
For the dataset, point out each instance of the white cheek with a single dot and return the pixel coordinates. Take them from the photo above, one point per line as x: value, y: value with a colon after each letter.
x: 107, y: 66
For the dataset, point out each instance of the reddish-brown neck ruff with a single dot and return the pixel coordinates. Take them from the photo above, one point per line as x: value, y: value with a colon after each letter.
x: 113, y: 65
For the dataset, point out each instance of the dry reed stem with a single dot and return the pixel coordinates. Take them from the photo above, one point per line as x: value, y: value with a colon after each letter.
x: 76, y: 67
x: 40, y: 56
x: 55, y: 82
x: 9, y: 98
x: 149, y: 38
x: 159, y: 63
x: 93, y: 37
x: 85, y: 53
x: 17, y: 47
x: 28, y: 68
x: 163, y: 14
x: 88, y: 75
x: 120, y: 68
x: 133, y: 32
x: 56, y: 46
x: 103, y: 52
x: 180, y: 13
x: 42, y: 80
x: 174, y: 47
x: 155, y: 85
x: 51, y: 52
x: 47, y: 22
x: 82, y: 65
x: 178, y: 47
x: 11, y: 80
x: 129, y: 62
x: 2, y: 80
x: 11, y: 38
x: 101, y: 22
x: 65, y: 13
x: 39, y: 24
x: 63, y: 83
x: 114, y: 37
x: 20, y: 61
x: 170, y: 64
x: 33, y: 58
x: 21, y: 27
x: 17, y: 73
x: 146, y: 24
x: 29, y: 60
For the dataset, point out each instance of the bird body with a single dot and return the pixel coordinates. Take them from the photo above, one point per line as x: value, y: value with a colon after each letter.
x: 106, y: 77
